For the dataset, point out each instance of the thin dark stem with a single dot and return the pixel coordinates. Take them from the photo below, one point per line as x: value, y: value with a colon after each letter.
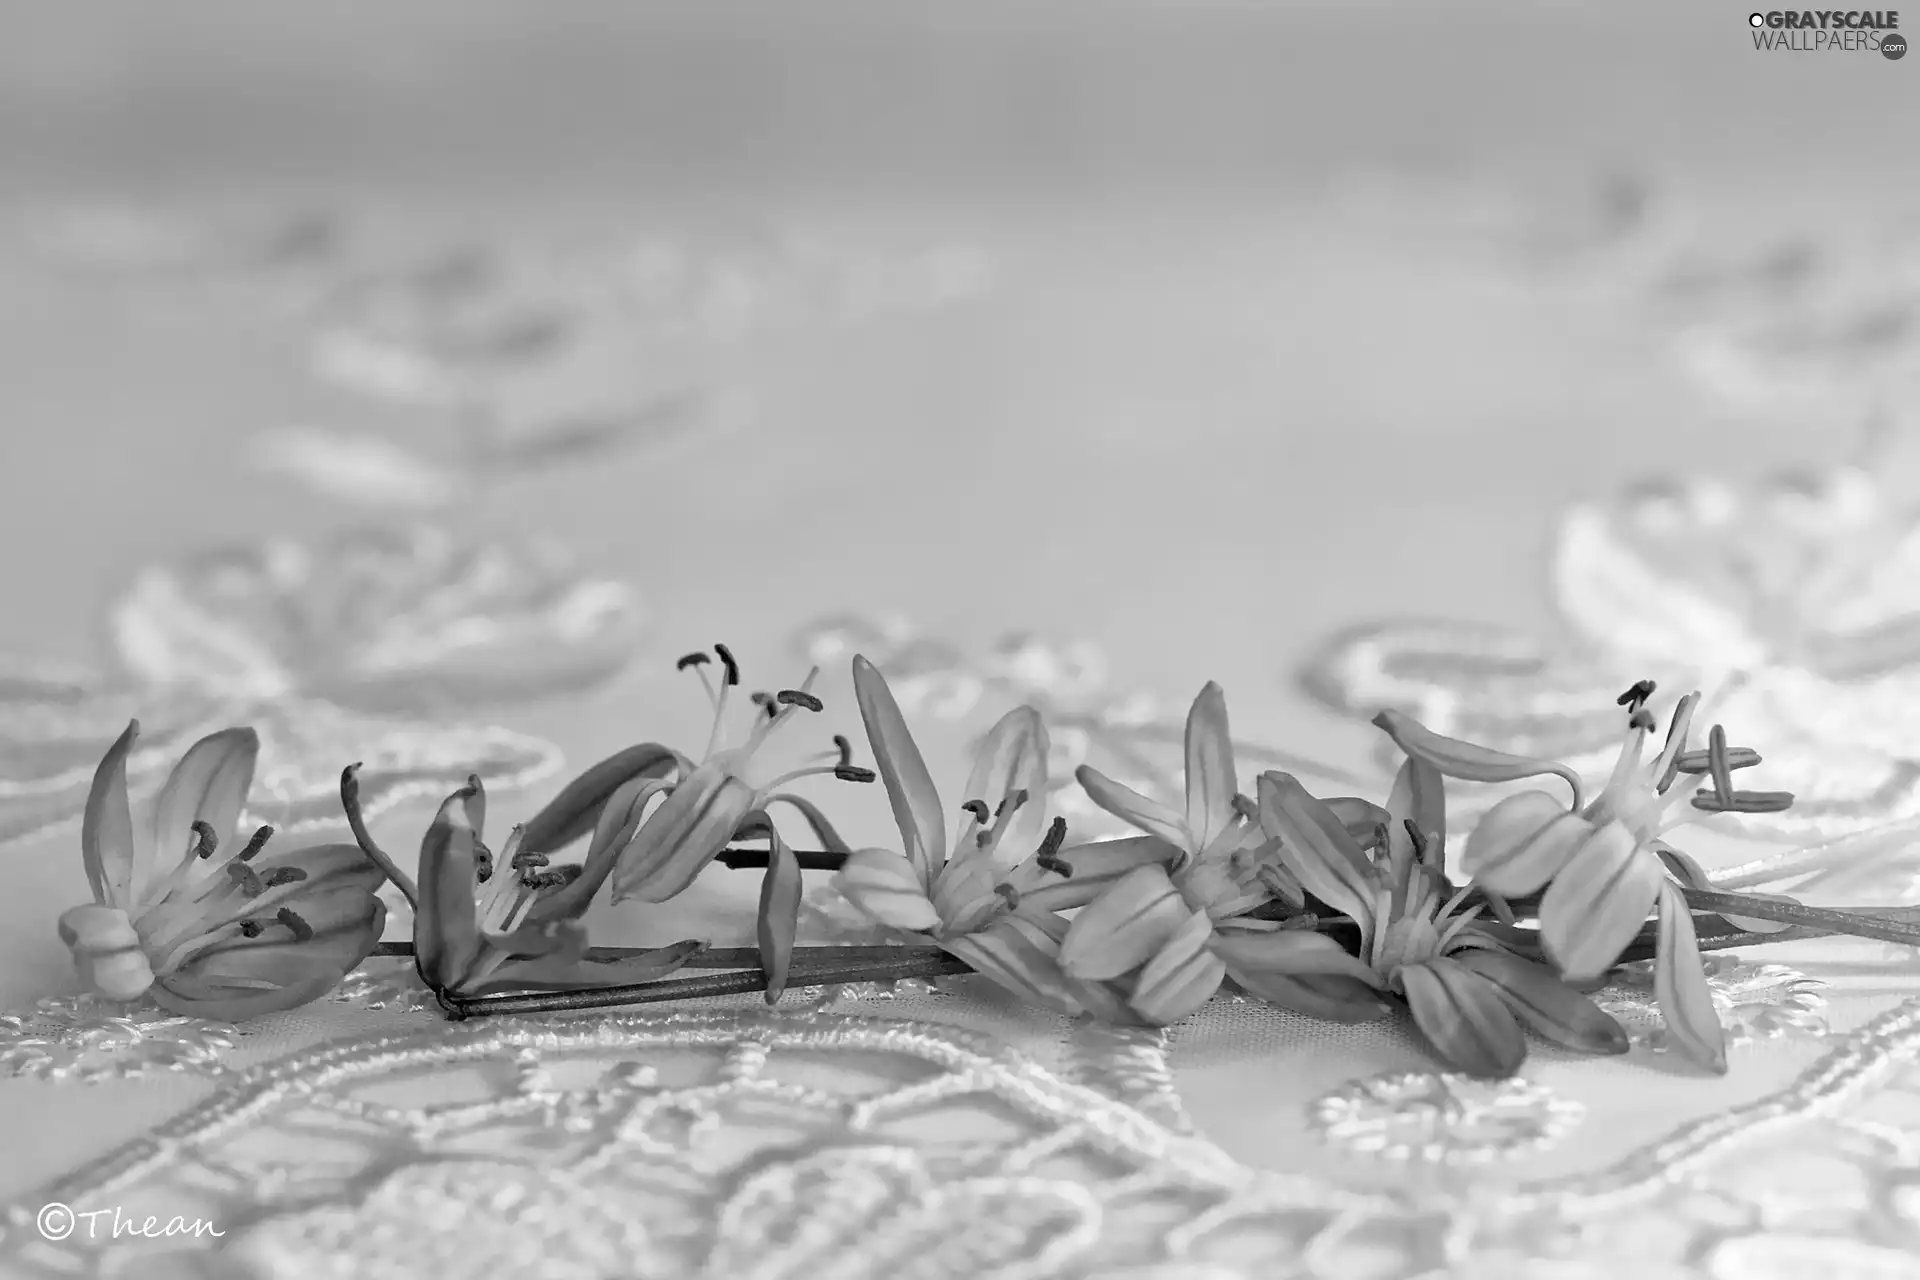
x: 738, y: 859
x: 1823, y: 919
x: 726, y: 984
x: 744, y: 957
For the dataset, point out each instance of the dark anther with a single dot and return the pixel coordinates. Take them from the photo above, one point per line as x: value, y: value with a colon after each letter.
x: 726, y: 660
x: 1717, y: 764
x: 1744, y: 802
x: 524, y: 858
x: 204, y: 839
x: 1636, y: 696
x: 285, y: 875
x: 800, y: 698
x: 554, y: 877
x: 1697, y: 761
x: 1047, y: 856
x: 978, y: 808
x: 302, y: 931
x: 247, y: 878
x: 853, y: 773
x: 256, y: 843
x: 765, y: 702
x: 1009, y: 895
x: 1419, y: 838
x: 482, y: 862
x: 1014, y: 799
x: 1382, y: 836
x: 845, y: 749
x: 251, y: 928
x: 692, y: 660
x: 1247, y: 808
x: 1642, y: 719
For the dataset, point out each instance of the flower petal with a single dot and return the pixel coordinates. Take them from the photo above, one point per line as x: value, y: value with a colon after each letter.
x: 446, y: 928
x: 681, y: 838
x: 1128, y: 805
x: 1362, y: 819
x: 577, y: 809
x: 246, y: 978
x: 1552, y: 1009
x: 1329, y: 996
x: 1293, y: 953
x: 1419, y: 796
x: 1211, y: 781
x: 1521, y: 843
x: 885, y: 886
x: 1011, y: 757
x: 1464, y: 760
x: 1680, y: 985
x: 556, y: 974
x: 779, y: 915
x: 916, y: 805
x: 831, y: 841
x: 1182, y: 977
x: 106, y: 831
x: 1316, y: 848
x: 1018, y: 955
x: 1124, y: 927
x: 1597, y: 904
x: 1464, y: 1018
x: 619, y: 818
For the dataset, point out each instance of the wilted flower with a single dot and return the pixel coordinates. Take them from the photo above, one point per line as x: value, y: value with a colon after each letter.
x: 1604, y: 864
x: 185, y: 912
x: 1149, y: 934
x: 1469, y: 993
x: 478, y: 926
x: 973, y: 904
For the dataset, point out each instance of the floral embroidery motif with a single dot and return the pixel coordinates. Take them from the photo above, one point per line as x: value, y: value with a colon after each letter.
x: 323, y: 648
x: 86, y: 1039
x: 1805, y: 589
x: 1444, y: 1118
x: 1755, y: 1001
x: 1132, y: 737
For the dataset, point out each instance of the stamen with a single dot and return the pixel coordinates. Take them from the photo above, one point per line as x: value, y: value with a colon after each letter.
x: 205, y: 841
x: 1009, y: 895
x: 1002, y: 815
x: 482, y: 862
x: 1247, y: 808
x: 1014, y: 798
x: 1642, y: 719
x: 1418, y: 837
x: 845, y: 749
x: 246, y: 878
x: 799, y: 698
x: 302, y: 931
x: 1744, y: 802
x: 726, y: 660
x: 765, y: 702
x: 285, y: 875
x: 692, y: 660
x: 255, y: 844
x: 1737, y: 758
x: 1046, y: 857
x: 853, y: 773
x: 1717, y: 764
x: 251, y: 928
x: 1668, y: 766
x: 978, y: 808
x: 1636, y: 696
x: 553, y: 878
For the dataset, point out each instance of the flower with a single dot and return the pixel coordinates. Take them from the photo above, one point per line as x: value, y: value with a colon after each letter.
x: 997, y: 919
x: 478, y: 926
x: 225, y: 930
x: 1604, y: 865
x: 1150, y: 931
x: 1468, y: 989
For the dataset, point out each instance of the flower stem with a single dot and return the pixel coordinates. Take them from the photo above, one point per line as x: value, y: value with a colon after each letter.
x: 1825, y: 919
x: 726, y: 984
x: 737, y: 859
x: 744, y: 957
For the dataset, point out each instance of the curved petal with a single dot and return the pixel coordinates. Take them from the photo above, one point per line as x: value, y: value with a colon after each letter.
x: 577, y: 809
x: 106, y: 830
x: 1292, y: 953
x: 1211, y: 781
x: 779, y: 914
x: 1128, y: 805
x: 682, y: 837
x: 1521, y: 843
x: 1694, y: 876
x: 1124, y: 927
x: 1680, y: 985
x: 831, y: 841
x: 1018, y: 955
x: 1465, y: 1019
x: 1182, y: 977
x: 1466, y: 761
x: 210, y: 785
x: 887, y: 887
x: 1552, y: 1009
x: 1329, y: 996
x: 1316, y: 848
x: 1095, y: 865
x: 446, y: 928
x: 910, y: 790
x: 1598, y: 903
x: 1011, y: 757
x: 271, y: 973
x: 1361, y: 818
x: 613, y: 831
x: 1419, y: 796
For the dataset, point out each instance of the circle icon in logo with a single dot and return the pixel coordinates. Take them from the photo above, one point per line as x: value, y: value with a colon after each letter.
x: 1893, y: 47
x: 1756, y: 19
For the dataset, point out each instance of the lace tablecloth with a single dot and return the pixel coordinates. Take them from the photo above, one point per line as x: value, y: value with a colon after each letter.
x: 396, y: 483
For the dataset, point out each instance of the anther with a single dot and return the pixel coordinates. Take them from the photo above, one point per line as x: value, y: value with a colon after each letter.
x: 1247, y: 808
x: 726, y: 660
x: 482, y: 862
x: 799, y: 698
x: 1697, y: 761
x: 853, y: 773
x: 256, y: 843
x: 251, y: 928
x: 285, y: 875
x: 1419, y: 838
x: 553, y: 877
x: 302, y: 931
x: 845, y: 749
x: 1636, y: 696
x: 1642, y: 719
x: 978, y: 808
x: 1717, y: 764
x: 1009, y: 895
x: 765, y: 702
x: 247, y: 878
x: 692, y: 660
x: 204, y: 839
x: 1046, y: 857
x: 1014, y: 798
x: 1744, y: 802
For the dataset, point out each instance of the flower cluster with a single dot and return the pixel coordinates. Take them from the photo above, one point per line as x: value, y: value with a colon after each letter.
x: 1329, y: 907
